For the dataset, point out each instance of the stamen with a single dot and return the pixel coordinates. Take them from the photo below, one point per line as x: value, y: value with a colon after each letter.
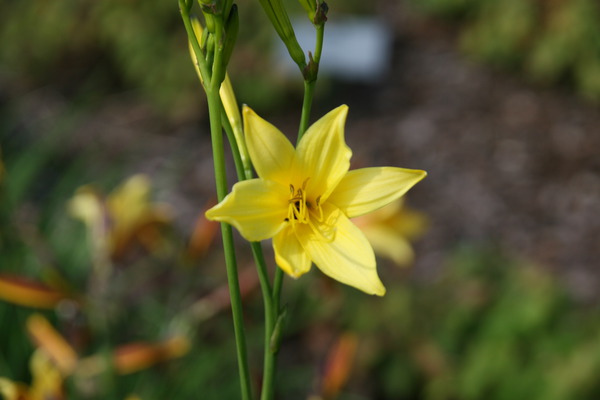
x: 297, y: 209
x: 300, y: 209
x: 318, y: 202
x: 304, y: 183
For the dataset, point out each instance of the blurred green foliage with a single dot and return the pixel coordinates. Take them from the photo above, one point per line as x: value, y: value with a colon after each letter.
x: 91, y: 48
x: 549, y: 41
x: 147, y: 298
x: 488, y: 328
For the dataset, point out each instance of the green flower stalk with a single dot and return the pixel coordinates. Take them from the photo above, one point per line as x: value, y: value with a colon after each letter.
x: 212, y: 67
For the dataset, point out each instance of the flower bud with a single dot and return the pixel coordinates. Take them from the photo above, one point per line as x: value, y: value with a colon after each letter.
x: 309, y: 6
x: 227, y: 8
x: 231, y: 30
x: 281, y: 22
x: 320, y: 14
x: 209, y: 19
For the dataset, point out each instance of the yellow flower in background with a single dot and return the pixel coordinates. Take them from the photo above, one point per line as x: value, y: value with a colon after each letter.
x: 305, y: 196
x: 123, y: 216
x: 129, y: 208
x: 47, y: 381
x: 390, y: 230
x: 50, y: 363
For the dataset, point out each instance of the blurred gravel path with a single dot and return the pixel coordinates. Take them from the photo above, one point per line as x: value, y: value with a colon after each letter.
x: 508, y: 162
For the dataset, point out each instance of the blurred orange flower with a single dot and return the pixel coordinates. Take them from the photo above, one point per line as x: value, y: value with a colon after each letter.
x: 29, y: 293
x: 339, y: 365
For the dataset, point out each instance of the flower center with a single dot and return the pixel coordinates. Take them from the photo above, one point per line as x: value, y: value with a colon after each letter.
x: 298, y: 206
x: 300, y: 210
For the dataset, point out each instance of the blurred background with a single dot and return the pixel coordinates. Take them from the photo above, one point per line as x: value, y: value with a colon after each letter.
x: 108, y: 266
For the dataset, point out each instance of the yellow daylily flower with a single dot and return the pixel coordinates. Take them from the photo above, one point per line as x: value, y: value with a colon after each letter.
x: 304, y: 198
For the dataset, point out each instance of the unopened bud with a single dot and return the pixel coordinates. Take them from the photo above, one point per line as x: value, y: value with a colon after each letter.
x: 309, y: 6
x: 209, y: 19
x: 321, y: 13
x: 227, y: 8
x: 232, y: 27
x: 281, y: 22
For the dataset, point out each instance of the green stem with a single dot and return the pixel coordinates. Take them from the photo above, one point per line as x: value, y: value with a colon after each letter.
x: 309, y: 85
x: 218, y: 120
x: 240, y: 169
x: 319, y: 43
x: 215, y: 108
x: 277, y: 283
x: 306, y: 106
x: 270, y: 320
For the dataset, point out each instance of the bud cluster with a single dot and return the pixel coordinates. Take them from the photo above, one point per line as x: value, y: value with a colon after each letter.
x: 218, y: 39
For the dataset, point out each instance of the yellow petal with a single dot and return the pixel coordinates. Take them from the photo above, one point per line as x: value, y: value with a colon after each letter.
x: 129, y: 203
x: 347, y: 258
x: 13, y: 391
x: 289, y: 254
x: 270, y: 151
x: 47, y: 382
x: 87, y: 206
x: 389, y: 243
x: 365, y: 190
x: 257, y: 208
x: 323, y: 155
